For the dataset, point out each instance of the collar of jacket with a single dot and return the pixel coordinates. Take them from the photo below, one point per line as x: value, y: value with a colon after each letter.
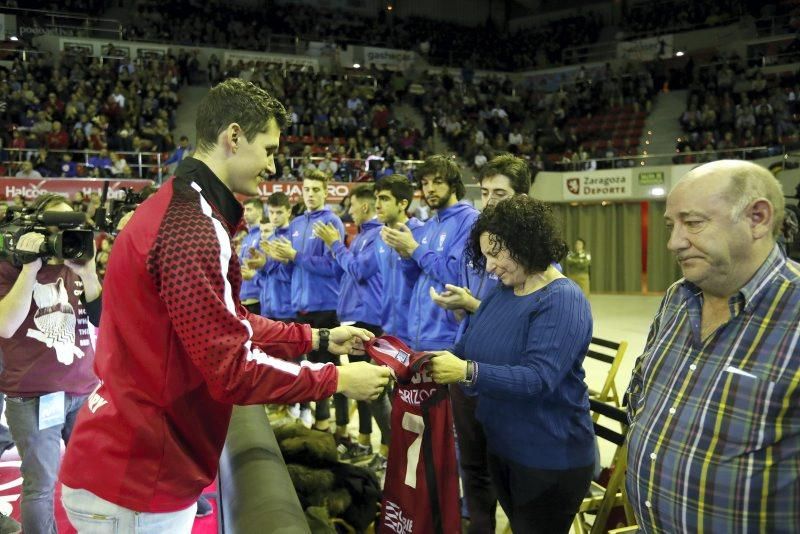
x: 213, y: 190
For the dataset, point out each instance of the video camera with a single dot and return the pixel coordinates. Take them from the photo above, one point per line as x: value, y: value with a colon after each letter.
x: 107, y: 219
x: 69, y: 241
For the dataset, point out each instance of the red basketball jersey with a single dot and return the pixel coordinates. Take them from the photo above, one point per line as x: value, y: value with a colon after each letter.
x: 420, y: 494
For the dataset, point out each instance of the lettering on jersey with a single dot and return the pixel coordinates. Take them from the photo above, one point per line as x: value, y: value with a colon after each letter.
x: 422, y: 377
x: 415, y: 397
x: 55, y: 321
x: 296, y: 233
x: 425, y: 240
x: 95, y: 401
x: 395, y: 521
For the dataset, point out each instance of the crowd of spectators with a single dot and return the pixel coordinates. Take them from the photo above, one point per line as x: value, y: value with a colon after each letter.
x: 493, y: 115
x: 77, y: 103
x: 342, y: 125
x: 220, y: 24
x: 671, y: 16
x: 734, y: 106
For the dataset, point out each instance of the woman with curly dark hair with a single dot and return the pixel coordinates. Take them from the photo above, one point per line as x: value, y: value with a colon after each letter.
x: 522, y: 355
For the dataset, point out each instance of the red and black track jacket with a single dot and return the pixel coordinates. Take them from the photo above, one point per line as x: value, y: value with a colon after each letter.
x: 176, y: 350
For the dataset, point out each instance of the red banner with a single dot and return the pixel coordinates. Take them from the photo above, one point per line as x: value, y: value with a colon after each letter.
x: 30, y: 188
x: 294, y: 190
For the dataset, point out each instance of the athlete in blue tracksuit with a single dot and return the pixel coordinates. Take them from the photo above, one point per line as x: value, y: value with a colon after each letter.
x: 434, y: 263
x: 250, y: 290
x: 436, y: 259
x: 316, y: 274
x: 397, y: 288
x: 361, y: 288
x: 275, y: 280
x: 359, y: 303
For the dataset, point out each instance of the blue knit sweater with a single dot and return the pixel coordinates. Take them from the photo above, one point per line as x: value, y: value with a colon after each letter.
x: 532, y: 399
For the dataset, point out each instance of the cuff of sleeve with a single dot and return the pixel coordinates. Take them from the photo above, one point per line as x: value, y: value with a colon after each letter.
x: 93, y: 309
x: 338, y: 248
x: 298, y: 258
x: 419, y: 252
x: 307, y: 338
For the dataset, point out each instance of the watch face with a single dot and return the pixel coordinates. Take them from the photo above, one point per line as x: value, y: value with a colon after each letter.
x: 387, y: 349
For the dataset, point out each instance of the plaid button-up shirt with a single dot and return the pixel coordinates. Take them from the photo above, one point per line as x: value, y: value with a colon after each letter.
x: 714, y: 441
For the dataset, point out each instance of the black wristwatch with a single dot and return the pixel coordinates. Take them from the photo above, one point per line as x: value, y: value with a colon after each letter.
x: 324, y: 336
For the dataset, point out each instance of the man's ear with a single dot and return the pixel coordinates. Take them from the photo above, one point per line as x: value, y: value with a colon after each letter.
x: 760, y: 214
x: 230, y: 137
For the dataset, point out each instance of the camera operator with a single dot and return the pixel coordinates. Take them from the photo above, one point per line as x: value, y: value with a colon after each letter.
x: 47, y: 361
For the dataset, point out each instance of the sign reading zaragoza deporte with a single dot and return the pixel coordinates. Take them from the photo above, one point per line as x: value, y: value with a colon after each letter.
x: 598, y: 185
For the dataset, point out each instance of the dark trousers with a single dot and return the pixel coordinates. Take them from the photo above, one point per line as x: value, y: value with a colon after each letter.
x: 324, y: 319
x: 254, y: 308
x: 478, y: 490
x: 539, y: 500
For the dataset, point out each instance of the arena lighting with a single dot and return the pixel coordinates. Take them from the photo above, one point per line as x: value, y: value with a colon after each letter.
x: 356, y: 66
x: 657, y: 192
x: 14, y: 38
x: 679, y: 53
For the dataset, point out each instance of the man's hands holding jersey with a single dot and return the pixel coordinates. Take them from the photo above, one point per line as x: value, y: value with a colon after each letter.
x: 359, y: 380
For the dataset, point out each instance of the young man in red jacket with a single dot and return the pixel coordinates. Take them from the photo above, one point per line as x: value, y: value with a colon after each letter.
x: 177, y: 349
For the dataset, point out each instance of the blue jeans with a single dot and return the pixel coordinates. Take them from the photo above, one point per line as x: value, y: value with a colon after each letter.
x: 5, y: 436
x: 90, y: 514
x: 40, y: 452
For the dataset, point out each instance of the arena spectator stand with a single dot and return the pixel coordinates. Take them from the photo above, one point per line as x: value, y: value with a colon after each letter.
x: 86, y: 105
x: 732, y: 105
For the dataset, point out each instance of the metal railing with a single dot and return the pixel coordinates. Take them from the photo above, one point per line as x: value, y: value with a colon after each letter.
x: 142, y: 164
x: 150, y: 165
x: 64, y: 24
x: 575, y: 55
x: 674, y: 158
x: 773, y: 26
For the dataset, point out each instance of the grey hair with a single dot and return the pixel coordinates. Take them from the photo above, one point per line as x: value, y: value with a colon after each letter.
x: 750, y: 182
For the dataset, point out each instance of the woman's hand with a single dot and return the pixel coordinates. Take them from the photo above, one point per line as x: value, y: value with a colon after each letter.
x: 447, y: 368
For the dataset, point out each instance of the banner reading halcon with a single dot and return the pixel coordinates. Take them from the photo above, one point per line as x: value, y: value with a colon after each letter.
x: 598, y: 185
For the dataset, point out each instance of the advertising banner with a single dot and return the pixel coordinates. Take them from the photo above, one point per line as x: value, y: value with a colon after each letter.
x: 597, y: 185
x: 30, y: 188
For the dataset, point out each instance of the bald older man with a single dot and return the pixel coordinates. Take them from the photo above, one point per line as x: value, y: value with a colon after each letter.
x: 714, y: 441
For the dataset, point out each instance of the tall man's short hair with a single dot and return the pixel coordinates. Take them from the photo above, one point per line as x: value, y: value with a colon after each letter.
x: 237, y: 101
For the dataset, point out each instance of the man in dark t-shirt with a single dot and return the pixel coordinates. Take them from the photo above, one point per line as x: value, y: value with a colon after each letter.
x: 47, y: 362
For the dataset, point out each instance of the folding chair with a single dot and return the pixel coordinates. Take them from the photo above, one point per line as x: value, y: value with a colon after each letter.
x: 611, y: 353
x: 600, y: 501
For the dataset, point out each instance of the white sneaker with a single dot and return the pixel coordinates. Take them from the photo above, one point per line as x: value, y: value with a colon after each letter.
x: 294, y: 411
x: 306, y: 418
